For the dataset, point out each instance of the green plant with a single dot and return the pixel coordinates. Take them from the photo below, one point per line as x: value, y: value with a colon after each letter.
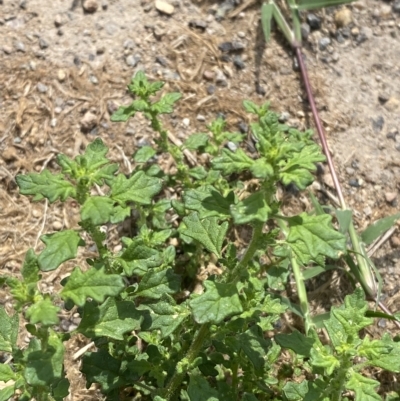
x: 362, y: 267
x: 181, y: 311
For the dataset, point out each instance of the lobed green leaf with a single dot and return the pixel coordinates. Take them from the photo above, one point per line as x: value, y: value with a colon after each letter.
x: 218, y: 302
x: 60, y: 247
x: 111, y: 319
x: 139, y: 188
x: 45, y: 185
x: 93, y: 283
x: 206, y: 231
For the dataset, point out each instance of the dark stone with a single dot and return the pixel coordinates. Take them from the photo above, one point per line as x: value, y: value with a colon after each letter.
x: 210, y: 89
x: 377, y: 124
x: 77, y: 61
x: 396, y: 6
x: 392, y: 134
x: 243, y: 127
x: 227, y: 47
x: 161, y: 60
x: 324, y: 43
x: 313, y: 21
x: 260, y: 90
x: 345, y: 32
x: 239, y: 63
x: 199, y: 24
x: 339, y: 37
x: 353, y: 182
x: 361, y: 38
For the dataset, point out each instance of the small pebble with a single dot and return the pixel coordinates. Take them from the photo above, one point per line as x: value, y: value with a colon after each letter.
x: 161, y: 60
x: 58, y: 21
x: 390, y: 196
x: 199, y: 24
x: 208, y: 75
x: 90, y: 6
x: 164, y: 7
x: 385, y: 11
x: 200, y: 117
x: 392, y: 134
x: 324, y: 43
x: 42, y: 88
x: 211, y: 89
x: 32, y: 65
x: 23, y: 4
x: 53, y: 122
x: 284, y: 116
x: 377, y: 124
x: 343, y: 17
x: 231, y: 146
x: 383, y: 97
x: 19, y: 46
x: 350, y: 170
x: 313, y: 21
x: 88, y: 121
x: 7, y: 49
x: 353, y: 182
x: 395, y: 241
x: 132, y: 61
x: 382, y: 323
x: 238, y: 62
x: 396, y: 6
x: 220, y: 78
x: 367, y: 211
x: 129, y: 44
x: 243, y: 127
x: 43, y: 44
x: 57, y: 225
x: 339, y: 37
x: 227, y: 47
x: 392, y: 104
x: 186, y: 122
x: 111, y: 107
x: 260, y: 89
x: 93, y: 79
x: 61, y: 75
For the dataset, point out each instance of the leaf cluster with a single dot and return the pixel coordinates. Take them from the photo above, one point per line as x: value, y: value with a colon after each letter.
x: 180, y: 311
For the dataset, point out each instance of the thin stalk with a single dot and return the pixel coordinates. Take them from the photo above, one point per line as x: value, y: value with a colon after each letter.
x: 251, y: 249
x: 302, y: 293
x: 318, y: 124
x: 298, y: 277
x: 192, y: 353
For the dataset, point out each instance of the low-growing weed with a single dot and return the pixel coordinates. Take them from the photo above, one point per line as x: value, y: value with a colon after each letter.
x: 181, y: 311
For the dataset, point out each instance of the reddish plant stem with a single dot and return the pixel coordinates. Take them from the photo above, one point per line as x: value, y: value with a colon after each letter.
x: 318, y: 124
x: 325, y: 148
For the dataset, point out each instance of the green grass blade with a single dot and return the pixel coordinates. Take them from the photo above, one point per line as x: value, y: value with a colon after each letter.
x: 378, y: 228
x: 283, y: 25
x: 266, y: 17
x: 311, y: 4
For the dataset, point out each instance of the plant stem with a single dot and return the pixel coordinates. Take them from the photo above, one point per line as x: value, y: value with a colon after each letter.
x: 318, y: 124
x: 302, y: 293
x: 192, y: 353
x: 251, y: 249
